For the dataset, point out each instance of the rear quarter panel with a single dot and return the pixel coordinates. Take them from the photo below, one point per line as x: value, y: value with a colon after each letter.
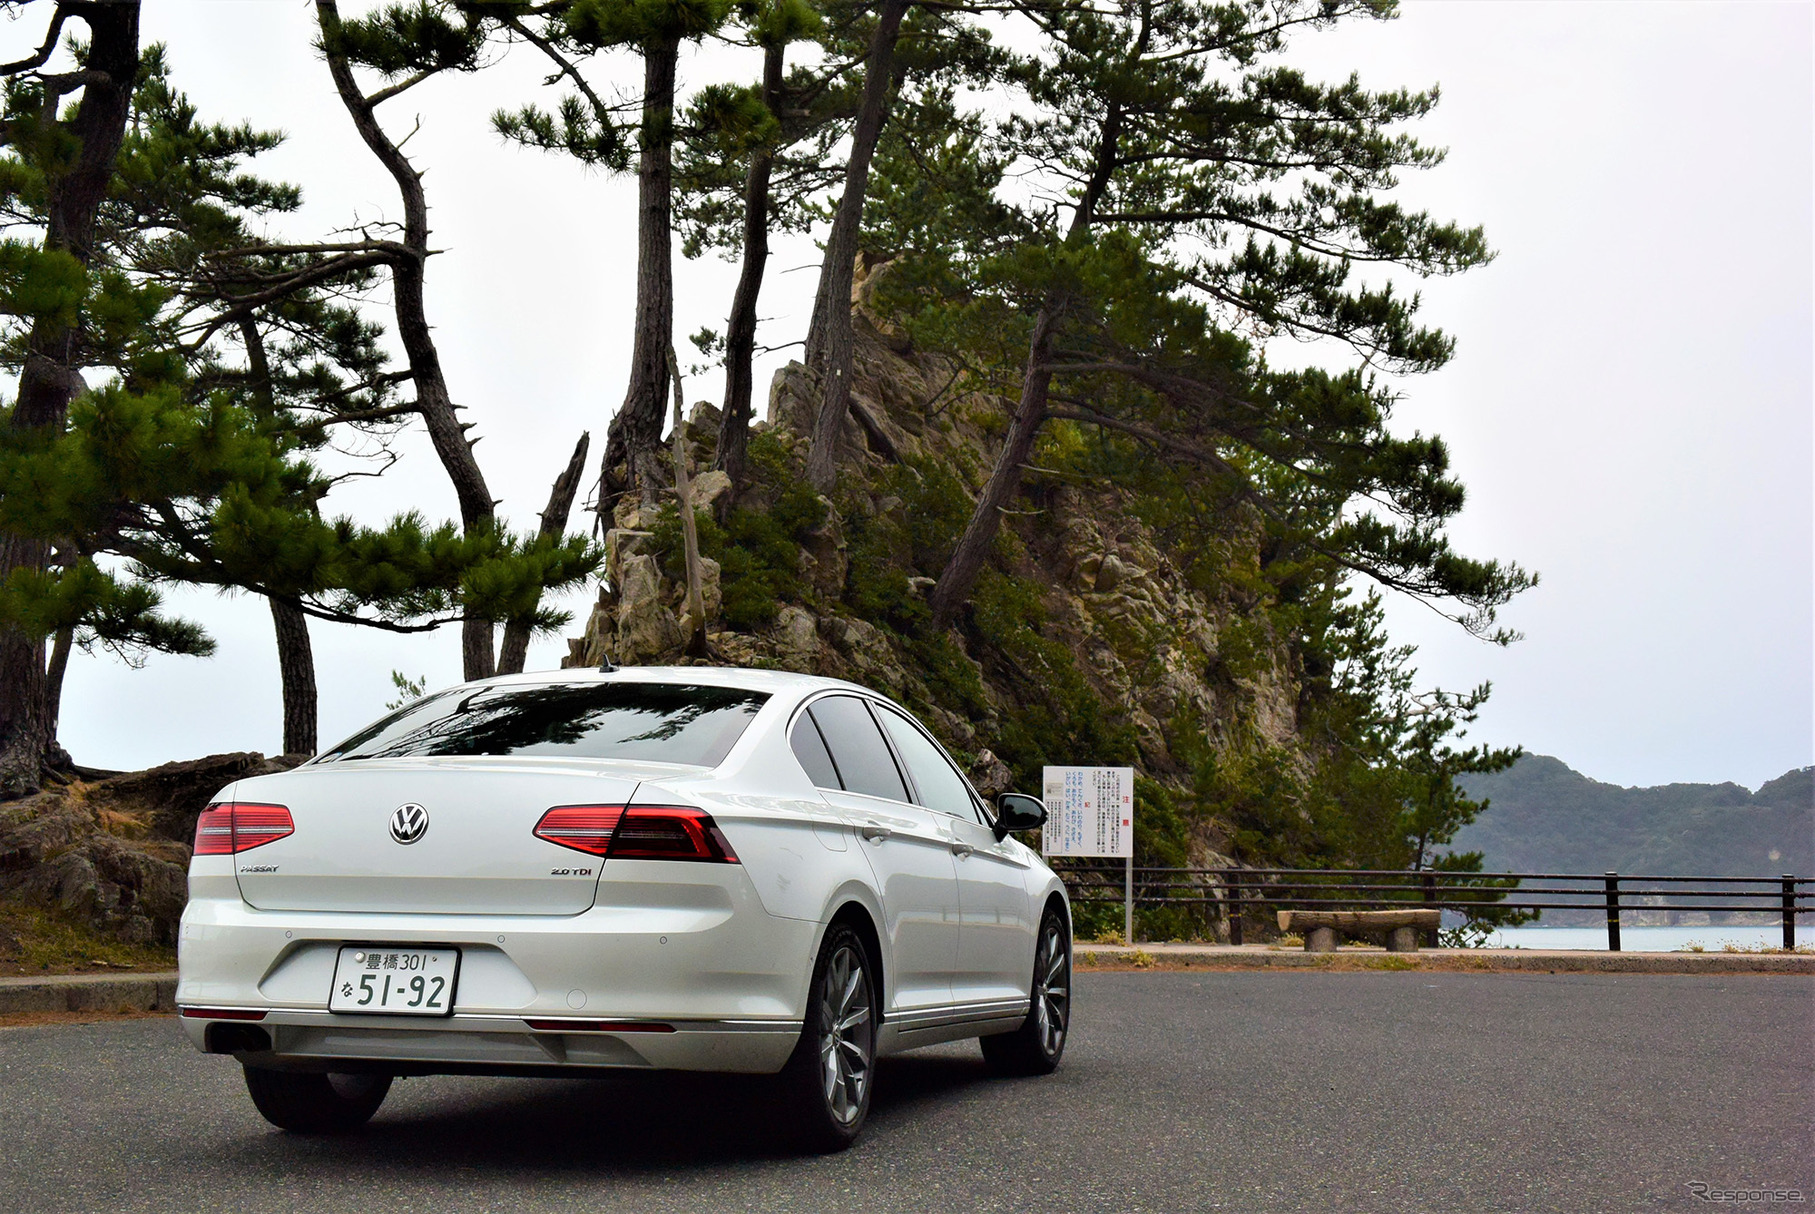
x: 799, y: 852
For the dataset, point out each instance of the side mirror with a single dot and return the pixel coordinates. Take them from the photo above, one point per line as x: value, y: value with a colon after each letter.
x: 1018, y: 811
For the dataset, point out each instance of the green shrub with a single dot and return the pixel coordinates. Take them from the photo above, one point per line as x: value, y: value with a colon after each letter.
x: 759, y: 564
x: 915, y: 538
x: 1059, y: 717
x: 758, y: 550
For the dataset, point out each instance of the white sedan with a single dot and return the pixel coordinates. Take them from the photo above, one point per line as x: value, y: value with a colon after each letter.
x: 689, y: 868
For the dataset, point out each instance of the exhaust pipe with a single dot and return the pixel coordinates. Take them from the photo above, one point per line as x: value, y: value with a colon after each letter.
x: 236, y: 1039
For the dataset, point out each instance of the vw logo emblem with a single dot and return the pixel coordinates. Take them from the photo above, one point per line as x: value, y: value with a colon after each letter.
x: 409, y: 823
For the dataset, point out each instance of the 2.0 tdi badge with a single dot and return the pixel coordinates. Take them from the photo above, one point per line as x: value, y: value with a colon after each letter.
x: 409, y: 823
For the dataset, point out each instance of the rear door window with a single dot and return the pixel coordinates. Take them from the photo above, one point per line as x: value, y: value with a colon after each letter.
x: 858, y: 748
x: 649, y: 722
x: 936, y: 781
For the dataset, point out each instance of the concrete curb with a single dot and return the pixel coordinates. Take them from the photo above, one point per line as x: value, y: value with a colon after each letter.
x: 157, y: 992
x: 1261, y: 957
x: 89, y: 993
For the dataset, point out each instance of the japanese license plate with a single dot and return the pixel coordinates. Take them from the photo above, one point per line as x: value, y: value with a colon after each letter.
x: 399, y: 981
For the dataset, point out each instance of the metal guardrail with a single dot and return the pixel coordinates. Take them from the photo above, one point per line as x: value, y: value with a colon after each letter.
x: 1236, y: 892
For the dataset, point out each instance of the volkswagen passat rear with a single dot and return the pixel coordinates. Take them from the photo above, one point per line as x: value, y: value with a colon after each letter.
x: 693, y: 868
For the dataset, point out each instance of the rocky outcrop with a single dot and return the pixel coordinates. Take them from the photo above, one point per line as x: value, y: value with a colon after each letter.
x: 169, y: 797
x: 113, y: 855
x: 1111, y: 595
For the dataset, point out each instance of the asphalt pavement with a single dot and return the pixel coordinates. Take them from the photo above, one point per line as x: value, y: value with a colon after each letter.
x: 1181, y: 1091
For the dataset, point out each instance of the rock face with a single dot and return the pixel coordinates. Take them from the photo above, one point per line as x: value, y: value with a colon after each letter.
x: 647, y: 628
x: 1102, y: 594
x: 171, y: 795
x: 114, y: 854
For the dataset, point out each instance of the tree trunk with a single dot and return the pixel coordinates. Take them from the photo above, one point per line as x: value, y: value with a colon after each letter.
x: 515, y: 650
x: 53, y: 677
x: 690, y: 540
x: 960, y: 573
x: 740, y: 330
x: 296, y: 663
x: 634, y: 440
x: 295, y: 655
x: 829, y: 335
x: 439, y: 413
x: 47, y: 380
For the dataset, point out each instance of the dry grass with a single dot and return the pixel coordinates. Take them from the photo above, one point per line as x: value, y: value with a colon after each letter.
x: 1751, y: 950
x: 1390, y: 962
x: 123, y: 825
x: 26, y: 1020
x: 35, y: 942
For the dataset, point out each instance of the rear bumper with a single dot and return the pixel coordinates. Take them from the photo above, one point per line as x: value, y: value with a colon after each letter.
x: 493, y: 1045
x: 723, y: 992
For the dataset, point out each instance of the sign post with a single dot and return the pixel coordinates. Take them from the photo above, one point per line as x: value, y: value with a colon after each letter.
x: 1090, y: 812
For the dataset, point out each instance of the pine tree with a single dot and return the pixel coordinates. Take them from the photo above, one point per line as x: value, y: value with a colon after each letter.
x: 406, y: 45
x: 75, y: 149
x: 226, y: 364
x: 763, y: 157
x: 1205, y: 185
x: 911, y: 48
x: 180, y: 214
x: 1385, y: 794
x: 738, y: 177
x: 655, y: 30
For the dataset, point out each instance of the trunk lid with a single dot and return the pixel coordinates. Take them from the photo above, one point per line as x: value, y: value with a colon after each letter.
x: 475, y: 853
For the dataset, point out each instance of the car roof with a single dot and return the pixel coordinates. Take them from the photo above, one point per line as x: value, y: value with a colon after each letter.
x: 774, y: 682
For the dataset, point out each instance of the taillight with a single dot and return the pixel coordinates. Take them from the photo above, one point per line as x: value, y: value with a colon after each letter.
x: 640, y: 832
x: 584, y: 828
x: 222, y: 830
x: 257, y: 825
x: 214, y: 831
x: 669, y: 832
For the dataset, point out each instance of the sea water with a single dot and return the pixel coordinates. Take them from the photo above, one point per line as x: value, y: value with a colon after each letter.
x: 1652, y: 939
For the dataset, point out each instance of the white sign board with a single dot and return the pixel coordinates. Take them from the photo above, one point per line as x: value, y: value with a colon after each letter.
x: 1089, y: 811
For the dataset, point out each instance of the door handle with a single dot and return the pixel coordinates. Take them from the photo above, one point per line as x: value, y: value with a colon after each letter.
x: 875, y: 832
x: 961, y: 850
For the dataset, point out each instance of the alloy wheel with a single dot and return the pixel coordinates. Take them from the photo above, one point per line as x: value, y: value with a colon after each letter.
x: 847, y: 1035
x: 1052, y: 988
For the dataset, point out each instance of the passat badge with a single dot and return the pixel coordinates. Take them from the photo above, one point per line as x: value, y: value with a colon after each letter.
x: 409, y: 823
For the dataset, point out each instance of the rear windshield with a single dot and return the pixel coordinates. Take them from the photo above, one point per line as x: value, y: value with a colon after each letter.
x: 654, y: 722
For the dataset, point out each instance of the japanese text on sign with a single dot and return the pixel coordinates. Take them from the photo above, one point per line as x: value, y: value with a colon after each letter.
x: 1089, y: 811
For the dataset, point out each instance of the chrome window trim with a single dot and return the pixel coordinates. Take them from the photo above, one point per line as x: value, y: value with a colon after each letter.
x: 976, y: 797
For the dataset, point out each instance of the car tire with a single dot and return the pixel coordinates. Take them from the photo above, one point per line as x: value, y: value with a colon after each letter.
x: 1036, y: 1047
x: 312, y: 1103
x: 828, y: 1080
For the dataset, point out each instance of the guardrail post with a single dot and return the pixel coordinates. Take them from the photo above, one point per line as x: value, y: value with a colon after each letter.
x: 1235, y: 910
x: 1789, y: 911
x: 1613, y: 912
x: 1430, y: 896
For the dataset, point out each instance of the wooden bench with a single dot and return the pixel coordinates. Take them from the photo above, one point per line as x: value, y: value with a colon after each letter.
x: 1401, y: 927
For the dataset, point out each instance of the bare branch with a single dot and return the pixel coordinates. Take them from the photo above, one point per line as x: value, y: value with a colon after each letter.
x: 565, y: 65
x: 244, y: 305
x: 385, y: 94
x: 39, y: 59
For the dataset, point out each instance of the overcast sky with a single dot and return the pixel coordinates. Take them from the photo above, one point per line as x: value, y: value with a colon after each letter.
x: 1630, y: 405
